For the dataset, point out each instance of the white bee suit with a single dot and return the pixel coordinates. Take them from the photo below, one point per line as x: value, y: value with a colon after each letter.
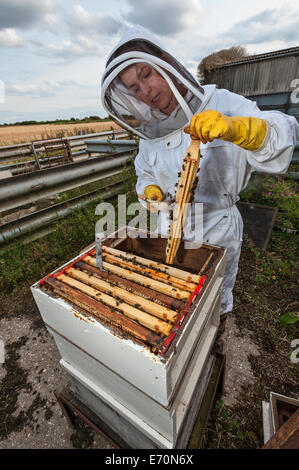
x: 225, y: 168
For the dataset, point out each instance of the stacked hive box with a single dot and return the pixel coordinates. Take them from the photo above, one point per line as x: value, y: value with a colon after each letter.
x: 134, y: 361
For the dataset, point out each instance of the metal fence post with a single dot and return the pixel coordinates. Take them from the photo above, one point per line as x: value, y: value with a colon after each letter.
x: 35, y: 156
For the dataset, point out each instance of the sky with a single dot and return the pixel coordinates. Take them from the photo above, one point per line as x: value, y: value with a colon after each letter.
x: 53, y: 52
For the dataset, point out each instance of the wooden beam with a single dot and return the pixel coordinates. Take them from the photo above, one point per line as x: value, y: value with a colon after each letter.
x: 287, y: 436
x: 163, y: 277
x: 206, y: 263
x: 183, y: 195
x: 104, y: 313
x: 130, y: 298
x: 144, y: 319
x: 138, y: 289
x: 145, y: 281
x: 179, y: 273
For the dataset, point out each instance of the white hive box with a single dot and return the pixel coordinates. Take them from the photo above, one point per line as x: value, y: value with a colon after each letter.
x: 124, y: 381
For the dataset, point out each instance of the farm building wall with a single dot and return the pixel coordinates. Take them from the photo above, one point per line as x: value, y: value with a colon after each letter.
x: 261, y: 77
x: 269, y: 79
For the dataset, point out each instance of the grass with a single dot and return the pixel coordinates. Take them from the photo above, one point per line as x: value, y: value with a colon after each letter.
x: 266, y: 303
x: 21, y: 265
x: 276, y: 191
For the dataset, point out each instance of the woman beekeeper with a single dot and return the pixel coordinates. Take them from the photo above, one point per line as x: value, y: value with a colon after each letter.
x: 150, y: 93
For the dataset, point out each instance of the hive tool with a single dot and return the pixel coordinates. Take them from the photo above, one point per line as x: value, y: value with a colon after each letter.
x: 99, y: 257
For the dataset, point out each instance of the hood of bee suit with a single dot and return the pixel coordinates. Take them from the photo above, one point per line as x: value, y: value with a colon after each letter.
x: 141, y: 52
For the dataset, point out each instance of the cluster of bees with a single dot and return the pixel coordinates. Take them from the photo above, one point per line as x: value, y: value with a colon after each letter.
x: 171, y: 198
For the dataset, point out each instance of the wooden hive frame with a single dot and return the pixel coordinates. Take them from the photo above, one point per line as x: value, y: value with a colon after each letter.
x: 183, y: 195
x: 147, y: 306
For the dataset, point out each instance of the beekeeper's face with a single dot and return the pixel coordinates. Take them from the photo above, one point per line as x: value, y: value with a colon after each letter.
x: 149, y: 86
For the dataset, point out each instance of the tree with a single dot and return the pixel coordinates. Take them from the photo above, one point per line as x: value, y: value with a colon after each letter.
x: 219, y: 58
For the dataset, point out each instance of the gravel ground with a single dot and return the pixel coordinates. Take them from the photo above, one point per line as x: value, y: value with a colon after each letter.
x: 42, y: 425
x: 32, y: 418
x: 238, y: 372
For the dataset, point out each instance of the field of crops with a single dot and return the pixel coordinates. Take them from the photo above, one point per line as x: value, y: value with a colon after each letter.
x: 19, y: 134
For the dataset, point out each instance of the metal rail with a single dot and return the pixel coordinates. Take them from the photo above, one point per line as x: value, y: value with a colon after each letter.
x: 109, y: 146
x: 40, y: 220
x: 11, y: 153
x: 19, y: 190
x: 28, y: 188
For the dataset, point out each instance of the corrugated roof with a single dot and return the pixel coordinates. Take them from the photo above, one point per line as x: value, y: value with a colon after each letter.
x: 260, y: 57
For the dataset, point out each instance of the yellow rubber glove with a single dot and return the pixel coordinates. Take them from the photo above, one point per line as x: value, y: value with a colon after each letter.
x: 247, y: 132
x: 153, y: 192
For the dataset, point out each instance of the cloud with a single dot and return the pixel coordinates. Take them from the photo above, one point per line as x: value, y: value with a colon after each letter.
x: 67, y: 50
x: 165, y: 17
x: 28, y: 89
x: 44, y: 89
x: 9, y: 38
x: 93, y: 24
x: 24, y: 14
x: 269, y: 25
x: 80, y: 46
x: 265, y: 28
x: 88, y: 35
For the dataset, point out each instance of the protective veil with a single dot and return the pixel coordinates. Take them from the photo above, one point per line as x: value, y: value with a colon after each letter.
x: 225, y: 168
x: 123, y: 104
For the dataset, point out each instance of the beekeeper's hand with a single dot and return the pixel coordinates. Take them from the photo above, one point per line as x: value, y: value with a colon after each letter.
x: 153, y: 196
x: 247, y: 132
x: 153, y: 192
